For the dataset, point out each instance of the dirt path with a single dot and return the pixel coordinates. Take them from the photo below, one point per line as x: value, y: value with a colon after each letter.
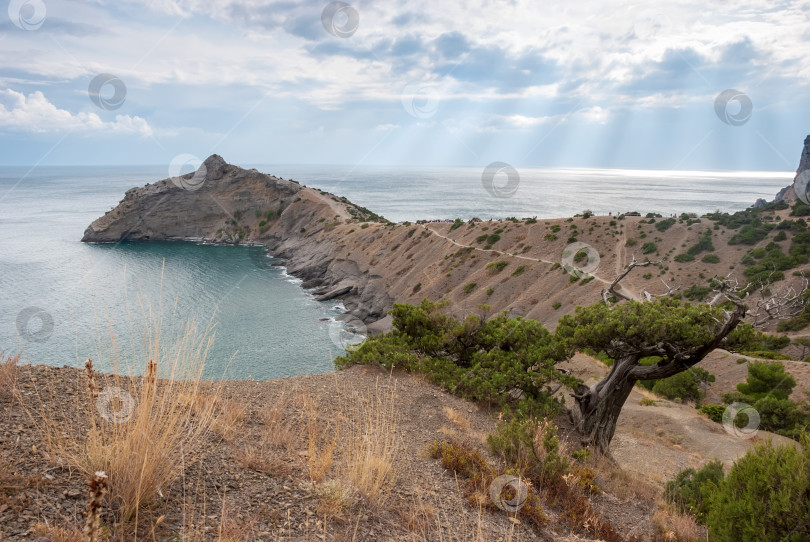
x: 501, y: 252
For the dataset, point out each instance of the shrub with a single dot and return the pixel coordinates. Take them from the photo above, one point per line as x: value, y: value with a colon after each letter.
x: 457, y: 223
x: 714, y: 412
x: 492, y: 239
x: 489, y: 291
x: 685, y: 386
x: 497, y: 266
x: 557, y: 305
x: 630, y: 242
x: 690, y: 491
x: 519, y: 271
x: 550, y: 237
x: 781, y: 236
x: 664, y: 225
x: 710, y: 258
x: 764, y: 496
x: 469, y: 288
x: 649, y: 248
x: 685, y: 257
x: 767, y: 378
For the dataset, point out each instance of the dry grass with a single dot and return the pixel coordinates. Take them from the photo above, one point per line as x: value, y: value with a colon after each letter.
x: 257, y: 456
x: 278, y: 431
x: 321, y: 441
x: 8, y: 374
x: 371, y: 443
x: 228, y: 418
x: 53, y: 533
x: 140, y: 431
x: 335, y: 500
x: 671, y: 525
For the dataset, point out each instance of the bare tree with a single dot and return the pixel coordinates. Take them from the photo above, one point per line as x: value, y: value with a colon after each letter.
x: 784, y: 304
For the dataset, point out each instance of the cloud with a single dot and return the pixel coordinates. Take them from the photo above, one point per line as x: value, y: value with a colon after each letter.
x: 35, y: 114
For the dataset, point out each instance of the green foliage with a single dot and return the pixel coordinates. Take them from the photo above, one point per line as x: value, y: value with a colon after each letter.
x: 630, y: 242
x: 750, y: 234
x: 767, y: 378
x: 457, y: 223
x: 764, y: 497
x: 697, y: 293
x: 781, y: 236
x: 639, y: 323
x: 649, y: 248
x: 556, y: 305
x: 489, y: 291
x: 704, y: 244
x: 550, y: 237
x: 664, y: 225
x: 800, y: 209
x: 469, y: 288
x: 501, y: 360
x: 555, y: 228
x: 519, y: 271
x: 714, y: 412
x: 411, y: 232
x: 710, y: 258
x: 683, y: 258
x: 685, y: 386
x: 481, y: 238
x: 513, y: 441
x: 498, y: 266
x: 690, y: 491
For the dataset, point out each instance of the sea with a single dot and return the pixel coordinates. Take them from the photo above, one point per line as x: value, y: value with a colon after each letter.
x: 63, y: 301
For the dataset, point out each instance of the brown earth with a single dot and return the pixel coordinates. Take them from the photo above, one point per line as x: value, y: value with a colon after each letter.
x: 274, y: 499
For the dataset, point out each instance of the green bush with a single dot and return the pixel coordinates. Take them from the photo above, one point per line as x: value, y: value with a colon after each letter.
x: 690, y: 491
x: 557, y: 305
x: 648, y: 248
x: 767, y: 378
x: 664, y: 225
x: 685, y: 257
x: 685, y: 386
x: 764, y: 497
x: 714, y: 412
x: 519, y: 271
x: 457, y: 223
x: 710, y: 258
x: 497, y: 266
x: 500, y: 360
x: 469, y: 288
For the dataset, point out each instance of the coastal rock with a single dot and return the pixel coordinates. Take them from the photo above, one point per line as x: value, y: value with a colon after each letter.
x: 788, y: 194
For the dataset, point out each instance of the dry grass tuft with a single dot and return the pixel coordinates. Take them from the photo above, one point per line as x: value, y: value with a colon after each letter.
x: 228, y: 418
x: 53, y: 533
x: 256, y: 456
x: 140, y: 431
x: 8, y: 374
x: 371, y: 444
x: 621, y: 483
x: 335, y: 500
x: 321, y: 441
x: 676, y: 527
x: 278, y: 431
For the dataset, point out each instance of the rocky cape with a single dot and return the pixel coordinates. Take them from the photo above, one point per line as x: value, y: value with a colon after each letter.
x: 788, y: 193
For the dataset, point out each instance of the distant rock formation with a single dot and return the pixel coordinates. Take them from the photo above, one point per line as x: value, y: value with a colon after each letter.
x: 788, y: 194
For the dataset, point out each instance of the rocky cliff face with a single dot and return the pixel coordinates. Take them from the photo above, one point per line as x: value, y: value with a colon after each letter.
x: 222, y: 203
x: 788, y: 194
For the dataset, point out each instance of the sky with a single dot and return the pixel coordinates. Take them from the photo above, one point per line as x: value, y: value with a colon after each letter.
x: 688, y: 85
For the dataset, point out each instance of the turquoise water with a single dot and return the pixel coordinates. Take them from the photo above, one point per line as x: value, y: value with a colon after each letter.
x: 59, y: 297
x: 266, y: 325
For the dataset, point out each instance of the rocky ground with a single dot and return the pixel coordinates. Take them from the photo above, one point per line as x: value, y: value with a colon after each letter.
x: 254, y: 480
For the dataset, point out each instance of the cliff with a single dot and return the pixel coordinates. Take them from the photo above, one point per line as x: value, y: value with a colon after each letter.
x: 788, y: 193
